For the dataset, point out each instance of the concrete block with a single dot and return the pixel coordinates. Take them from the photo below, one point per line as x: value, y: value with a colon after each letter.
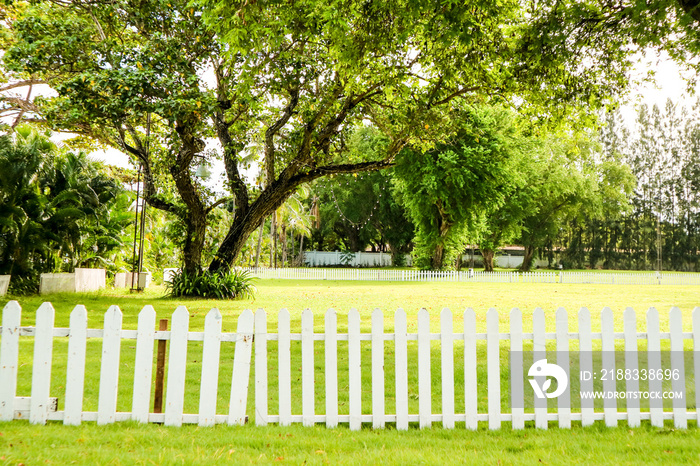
x: 56, y: 283
x: 81, y: 280
x: 123, y: 280
x: 4, y: 283
x: 90, y: 279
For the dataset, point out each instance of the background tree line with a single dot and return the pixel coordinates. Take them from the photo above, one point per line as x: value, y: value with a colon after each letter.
x: 662, y: 149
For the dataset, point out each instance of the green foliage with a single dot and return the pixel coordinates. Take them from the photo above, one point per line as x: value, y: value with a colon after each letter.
x: 58, y: 210
x: 662, y: 222
x: 346, y: 257
x: 292, y: 80
x: 231, y: 284
x: 361, y: 210
x: 24, y: 285
x: 450, y: 189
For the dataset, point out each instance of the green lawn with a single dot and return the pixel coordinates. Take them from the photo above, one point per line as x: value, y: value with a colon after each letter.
x: 129, y: 443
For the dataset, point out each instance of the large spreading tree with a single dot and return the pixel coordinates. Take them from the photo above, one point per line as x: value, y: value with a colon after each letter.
x: 287, y: 81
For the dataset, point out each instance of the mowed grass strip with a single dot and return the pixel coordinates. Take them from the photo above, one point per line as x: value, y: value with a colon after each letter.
x: 319, y: 296
x: 297, y: 444
x: 128, y: 443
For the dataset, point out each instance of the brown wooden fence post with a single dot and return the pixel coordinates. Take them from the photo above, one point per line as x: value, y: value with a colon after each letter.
x: 160, y: 370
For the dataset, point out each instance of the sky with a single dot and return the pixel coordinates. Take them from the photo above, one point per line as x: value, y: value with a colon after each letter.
x: 669, y: 84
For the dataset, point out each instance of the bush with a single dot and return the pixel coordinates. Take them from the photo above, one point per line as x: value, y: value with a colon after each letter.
x: 399, y: 259
x: 24, y: 285
x: 218, y: 285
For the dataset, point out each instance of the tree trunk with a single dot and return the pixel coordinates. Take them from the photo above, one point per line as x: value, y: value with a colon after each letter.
x: 248, y: 217
x: 292, y: 256
x: 301, y: 251
x: 488, y: 255
x: 527, y: 260
x: 438, y: 257
x: 196, y: 227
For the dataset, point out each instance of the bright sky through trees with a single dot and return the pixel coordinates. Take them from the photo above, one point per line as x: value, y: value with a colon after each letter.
x: 669, y: 84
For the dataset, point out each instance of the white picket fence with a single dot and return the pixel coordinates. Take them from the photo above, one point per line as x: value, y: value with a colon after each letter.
x: 252, y: 337
x: 602, y: 278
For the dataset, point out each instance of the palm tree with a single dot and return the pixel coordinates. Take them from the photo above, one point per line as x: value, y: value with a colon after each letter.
x: 25, y: 160
x: 294, y: 216
x: 56, y: 208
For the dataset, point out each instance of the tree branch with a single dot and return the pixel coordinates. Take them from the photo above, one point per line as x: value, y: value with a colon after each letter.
x: 27, y: 82
x: 272, y: 132
x: 217, y: 204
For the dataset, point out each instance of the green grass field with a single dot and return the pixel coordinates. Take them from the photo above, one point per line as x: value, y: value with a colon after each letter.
x: 129, y: 443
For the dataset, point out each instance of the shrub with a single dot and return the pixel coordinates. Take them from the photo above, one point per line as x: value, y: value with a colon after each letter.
x: 218, y: 285
x: 24, y: 285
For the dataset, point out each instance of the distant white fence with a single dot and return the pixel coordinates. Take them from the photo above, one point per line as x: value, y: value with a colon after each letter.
x: 353, y: 259
x: 602, y: 278
x: 379, y: 259
x: 252, y: 337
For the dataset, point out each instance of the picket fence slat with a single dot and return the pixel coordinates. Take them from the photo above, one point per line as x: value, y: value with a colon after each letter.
x: 654, y: 363
x: 261, y: 386
x: 632, y: 363
x: 109, y: 370
x: 211, y: 353
x: 607, y: 326
x: 177, y: 365
x: 517, y: 389
x: 284, y: 370
x: 401, y: 369
x: 241, y: 368
x: 424, y: 376
x: 354, y: 370
x: 307, y: 367
x: 447, y: 366
x: 562, y: 337
x: 378, y: 408
x: 331, y: 359
x: 9, y: 358
x: 75, y: 367
x: 493, y: 362
x: 470, y: 382
x: 586, y: 364
x: 414, y: 348
x: 41, y: 370
x: 539, y: 350
x: 675, y: 324
x: 143, y: 364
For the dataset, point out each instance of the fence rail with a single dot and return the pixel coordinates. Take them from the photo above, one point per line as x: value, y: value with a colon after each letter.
x: 469, y: 360
x: 602, y: 278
